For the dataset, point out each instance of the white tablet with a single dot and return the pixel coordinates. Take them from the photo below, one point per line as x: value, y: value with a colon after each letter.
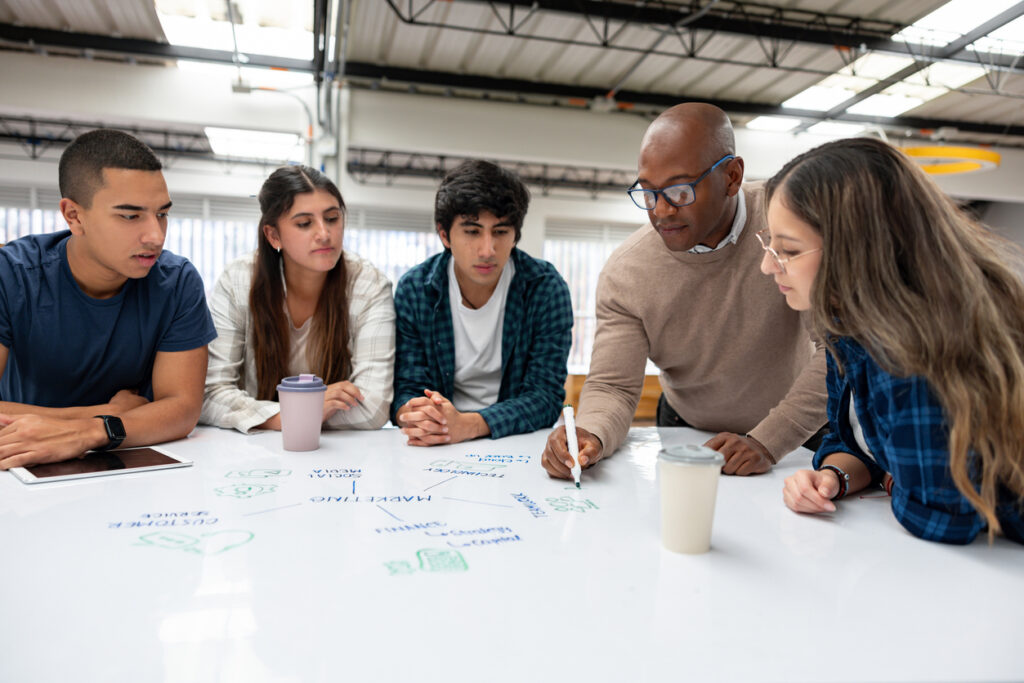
x: 100, y: 464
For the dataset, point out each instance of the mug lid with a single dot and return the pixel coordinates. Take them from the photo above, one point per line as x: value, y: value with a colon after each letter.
x: 691, y: 454
x: 302, y: 383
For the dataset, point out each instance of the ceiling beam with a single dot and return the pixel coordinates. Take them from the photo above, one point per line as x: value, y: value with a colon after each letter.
x: 485, y: 84
x: 38, y: 37
x: 996, y: 22
x: 750, y: 19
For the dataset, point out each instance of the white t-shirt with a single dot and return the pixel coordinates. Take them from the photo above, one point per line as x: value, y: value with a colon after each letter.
x: 858, y: 431
x: 478, y: 343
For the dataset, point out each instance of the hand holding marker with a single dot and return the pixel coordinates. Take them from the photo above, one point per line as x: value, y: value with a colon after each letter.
x: 574, y: 447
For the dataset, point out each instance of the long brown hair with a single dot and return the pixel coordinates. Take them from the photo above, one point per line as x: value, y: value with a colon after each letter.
x: 328, y: 350
x: 927, y: 291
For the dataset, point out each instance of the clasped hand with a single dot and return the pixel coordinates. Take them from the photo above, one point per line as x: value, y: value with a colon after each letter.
x: 431, y: 419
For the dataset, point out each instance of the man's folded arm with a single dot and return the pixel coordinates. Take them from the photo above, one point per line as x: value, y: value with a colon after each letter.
x: 178, y: 381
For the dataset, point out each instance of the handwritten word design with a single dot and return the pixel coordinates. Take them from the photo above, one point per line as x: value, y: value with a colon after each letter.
x: 258, y: 473
x: 245, y: 490
x: 570, y: 504
x: 205, y: 544
x: 534, y: 509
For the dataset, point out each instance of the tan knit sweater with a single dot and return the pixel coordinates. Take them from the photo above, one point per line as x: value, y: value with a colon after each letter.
x: 733, y: 356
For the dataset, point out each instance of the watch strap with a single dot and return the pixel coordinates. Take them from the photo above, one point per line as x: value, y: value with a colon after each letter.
x: 115, y: 432
x: 844, y: 479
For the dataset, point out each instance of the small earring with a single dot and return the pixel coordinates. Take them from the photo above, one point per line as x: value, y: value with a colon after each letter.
x: 279, y: 250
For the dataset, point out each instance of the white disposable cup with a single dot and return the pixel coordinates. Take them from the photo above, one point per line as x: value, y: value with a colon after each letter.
x: 302, y: 411
x: 688, y: 477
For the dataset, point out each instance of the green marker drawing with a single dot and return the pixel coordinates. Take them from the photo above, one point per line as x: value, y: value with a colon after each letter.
x: 261, y: 473
x: 572, y: 504
x: 433, y: 560
x: 399, y: 567
x: 205, y: 544
x: 245, y: 490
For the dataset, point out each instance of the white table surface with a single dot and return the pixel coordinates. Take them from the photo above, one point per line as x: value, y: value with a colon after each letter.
x: 261, y: 565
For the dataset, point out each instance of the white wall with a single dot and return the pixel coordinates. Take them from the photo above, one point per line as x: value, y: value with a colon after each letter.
x: 165, y: 96
x: 1006, y: 218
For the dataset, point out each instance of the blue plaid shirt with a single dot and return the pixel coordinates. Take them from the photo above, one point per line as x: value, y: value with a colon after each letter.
x: 535, y: 343
x: 905, y: 427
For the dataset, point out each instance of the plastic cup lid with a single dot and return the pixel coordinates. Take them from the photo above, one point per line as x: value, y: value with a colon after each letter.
x: 692, y: 454
x: 302, y: 383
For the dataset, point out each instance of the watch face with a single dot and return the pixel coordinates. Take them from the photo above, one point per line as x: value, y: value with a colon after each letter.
x: 115, y: 428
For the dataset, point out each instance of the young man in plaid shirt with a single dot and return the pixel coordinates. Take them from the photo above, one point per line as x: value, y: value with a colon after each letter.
x: 483, y: 329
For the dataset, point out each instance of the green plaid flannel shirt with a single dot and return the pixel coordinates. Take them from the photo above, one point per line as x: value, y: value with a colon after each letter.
x: 535, y: 343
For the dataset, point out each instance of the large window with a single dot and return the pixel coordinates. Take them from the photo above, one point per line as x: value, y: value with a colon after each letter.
x: 213, y: 232
x: 579, y: 250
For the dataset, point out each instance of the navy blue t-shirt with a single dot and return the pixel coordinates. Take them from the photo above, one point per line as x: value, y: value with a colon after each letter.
x: 66, y: 348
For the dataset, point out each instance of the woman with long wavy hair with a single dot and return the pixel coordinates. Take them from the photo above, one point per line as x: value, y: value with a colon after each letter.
x: 923, y: 313
x: 300, y: 305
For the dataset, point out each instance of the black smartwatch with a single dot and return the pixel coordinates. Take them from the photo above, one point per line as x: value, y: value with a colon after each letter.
x: 115, y: 432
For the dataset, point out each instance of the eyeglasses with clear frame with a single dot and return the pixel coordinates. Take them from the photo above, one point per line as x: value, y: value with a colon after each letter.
x: 679, y: 195
x: 765, y: 238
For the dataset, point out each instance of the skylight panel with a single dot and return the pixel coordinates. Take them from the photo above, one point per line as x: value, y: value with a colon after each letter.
x: 260, y: 28
x: 1008, y: 39
x: 773, y: 123
x: 819, y: 98
x: 946, y: 75
x: 876, y: 66
x: 835, y: 129
x: 951, y: 21
x: 255, y: 144
x: 885, y: 104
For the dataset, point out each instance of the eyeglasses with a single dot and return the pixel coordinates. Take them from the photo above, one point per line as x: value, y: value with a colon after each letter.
x: 765, y: 239
x: 682, y: 194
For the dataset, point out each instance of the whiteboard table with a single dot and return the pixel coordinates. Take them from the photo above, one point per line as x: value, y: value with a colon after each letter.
x: 372, y: 561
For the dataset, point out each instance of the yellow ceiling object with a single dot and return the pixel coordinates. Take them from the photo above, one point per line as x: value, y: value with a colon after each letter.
x: 944, y: 160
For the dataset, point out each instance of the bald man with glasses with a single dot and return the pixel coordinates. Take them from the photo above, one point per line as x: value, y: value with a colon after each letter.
x: 686, y: 292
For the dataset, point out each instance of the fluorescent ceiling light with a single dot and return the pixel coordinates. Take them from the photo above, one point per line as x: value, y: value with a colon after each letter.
x: 835, y: 129
x: 885, y: 104
x: 951, y: 21
x: 773, y: 123
x: 255, y: 144
x: 818, y: 98
x: 278, y: 29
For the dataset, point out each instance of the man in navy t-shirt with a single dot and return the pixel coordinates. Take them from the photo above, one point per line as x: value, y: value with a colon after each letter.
x: 102, y: 334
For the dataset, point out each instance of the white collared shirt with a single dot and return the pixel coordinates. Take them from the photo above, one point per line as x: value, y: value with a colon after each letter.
x: 737, y: 227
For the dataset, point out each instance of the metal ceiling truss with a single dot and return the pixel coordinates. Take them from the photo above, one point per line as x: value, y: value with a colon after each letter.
x: 367, y: 165
x: 36, y: 136
x: 777, y: 29
x: 996, y: 22
x: 451, y: 83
